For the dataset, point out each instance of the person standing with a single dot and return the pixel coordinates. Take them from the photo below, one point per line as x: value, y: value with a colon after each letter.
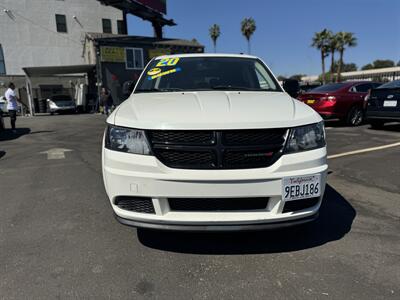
x: 12, y: 105
x: 106, y: 101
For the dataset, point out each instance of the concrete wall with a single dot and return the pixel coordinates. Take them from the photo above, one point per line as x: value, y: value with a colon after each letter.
x: 29, y: 37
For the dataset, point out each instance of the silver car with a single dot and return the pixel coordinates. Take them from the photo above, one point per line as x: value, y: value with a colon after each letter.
x: 61, y: 104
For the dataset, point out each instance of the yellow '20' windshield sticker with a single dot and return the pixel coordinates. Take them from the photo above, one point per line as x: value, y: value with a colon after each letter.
x: 163, y: 73
x: 168, y: 62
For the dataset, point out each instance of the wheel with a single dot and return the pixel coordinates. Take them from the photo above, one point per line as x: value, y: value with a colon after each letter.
x: 355, y: 116
x: 377, y: 124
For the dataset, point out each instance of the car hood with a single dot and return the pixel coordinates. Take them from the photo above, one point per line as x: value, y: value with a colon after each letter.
x: 212, y: 110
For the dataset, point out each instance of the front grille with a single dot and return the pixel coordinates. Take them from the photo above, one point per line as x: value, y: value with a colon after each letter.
x: 136, y: 204
x: 217, y: 204
x: 296, y: 205
x: 225, y: 149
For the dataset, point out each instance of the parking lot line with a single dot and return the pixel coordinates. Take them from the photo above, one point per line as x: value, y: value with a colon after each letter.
x: 364, y: 150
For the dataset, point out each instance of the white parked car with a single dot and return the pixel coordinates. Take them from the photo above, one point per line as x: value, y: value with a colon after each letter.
x: 212, y: 142
x: 3, y: 104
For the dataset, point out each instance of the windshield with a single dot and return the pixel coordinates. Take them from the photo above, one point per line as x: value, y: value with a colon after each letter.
x: 206, y: 73
x: 61, y: 98
x: 331, y: 87
x: 390, y: 85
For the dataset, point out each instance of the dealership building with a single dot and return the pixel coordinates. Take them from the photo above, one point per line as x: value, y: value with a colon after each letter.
x: 52, y: 46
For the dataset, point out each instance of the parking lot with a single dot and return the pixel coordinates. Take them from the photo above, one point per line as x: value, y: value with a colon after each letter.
x: 59, y: 239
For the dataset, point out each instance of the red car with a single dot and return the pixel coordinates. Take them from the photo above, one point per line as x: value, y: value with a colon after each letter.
x: 344, y: 100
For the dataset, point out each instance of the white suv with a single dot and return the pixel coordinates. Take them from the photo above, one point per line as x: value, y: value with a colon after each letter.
x: 212, y: 142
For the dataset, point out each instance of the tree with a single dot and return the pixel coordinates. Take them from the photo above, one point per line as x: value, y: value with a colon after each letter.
x: 248, y: 26
x: 215, y: 32
x: 398, y: 63
x: 379, y: 64
x: 367, y: 67
x: 344, y: 40
x: 346, y: 67
x: 320, y: 41
x: 333, y: 46
x: 383, y: 63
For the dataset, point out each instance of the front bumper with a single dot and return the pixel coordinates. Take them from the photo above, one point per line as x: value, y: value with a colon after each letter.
x: 137, y: 175
x: 62, y: 109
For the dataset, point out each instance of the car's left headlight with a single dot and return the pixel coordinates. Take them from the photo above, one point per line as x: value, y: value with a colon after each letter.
x: 126, y: 140
x: 305, y: 138
x: 52, y: 104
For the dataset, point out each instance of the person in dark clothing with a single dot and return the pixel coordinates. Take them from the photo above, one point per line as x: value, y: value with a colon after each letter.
x: 106, y: 101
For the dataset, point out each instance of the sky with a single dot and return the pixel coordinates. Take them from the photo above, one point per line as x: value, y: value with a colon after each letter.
x: 285, y: 29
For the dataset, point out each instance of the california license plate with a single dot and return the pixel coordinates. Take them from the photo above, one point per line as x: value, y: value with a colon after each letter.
x: 391, y: 103
x: 310, y: 101
x: 301, y: 187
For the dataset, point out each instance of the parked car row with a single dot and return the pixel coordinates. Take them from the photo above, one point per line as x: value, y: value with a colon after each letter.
x: 356, y: 101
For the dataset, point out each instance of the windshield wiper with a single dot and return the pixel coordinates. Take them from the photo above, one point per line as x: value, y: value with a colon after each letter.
x: 237, y: 88
x: 156, y: 90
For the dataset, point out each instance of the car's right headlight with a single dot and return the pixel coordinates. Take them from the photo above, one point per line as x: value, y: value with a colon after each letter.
x: 128, y: 140
x: 305, y: 138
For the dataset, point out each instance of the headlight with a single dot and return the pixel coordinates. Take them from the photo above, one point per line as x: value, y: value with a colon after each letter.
x: 306, y: 138
x: 126, y: 140
x: 52, y: 104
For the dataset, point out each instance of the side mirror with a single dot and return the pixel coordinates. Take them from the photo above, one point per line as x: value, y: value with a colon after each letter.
x: 292, y: 87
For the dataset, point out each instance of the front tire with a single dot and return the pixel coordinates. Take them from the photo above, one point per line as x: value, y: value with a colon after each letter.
x: 355, y: 117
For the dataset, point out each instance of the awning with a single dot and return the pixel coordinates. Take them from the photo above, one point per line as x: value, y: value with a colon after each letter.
x: 58, y: 70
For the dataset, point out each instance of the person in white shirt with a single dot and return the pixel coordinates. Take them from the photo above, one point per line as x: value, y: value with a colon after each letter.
x: 12, y: 104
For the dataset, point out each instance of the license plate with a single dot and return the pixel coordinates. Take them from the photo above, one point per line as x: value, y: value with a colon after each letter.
x: 391, y: 103
x: 310, y: 101
x: 301, y: 187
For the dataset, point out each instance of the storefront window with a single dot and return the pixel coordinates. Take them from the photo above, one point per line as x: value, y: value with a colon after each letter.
x: 134, y: 58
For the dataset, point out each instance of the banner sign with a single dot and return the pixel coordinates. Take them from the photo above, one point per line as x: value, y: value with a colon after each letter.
x: 112, y: 54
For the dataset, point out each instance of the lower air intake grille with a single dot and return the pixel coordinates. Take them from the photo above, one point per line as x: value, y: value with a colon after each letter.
x: 217, y: 204
x: 136, y: 204
x: 296, y: 205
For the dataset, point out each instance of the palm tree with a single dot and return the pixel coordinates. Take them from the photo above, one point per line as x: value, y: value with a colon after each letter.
x: 321, y: 42
x: 333, y: 46
x: 248, y: 28
x: 215, y: 32
x: 344, y: 40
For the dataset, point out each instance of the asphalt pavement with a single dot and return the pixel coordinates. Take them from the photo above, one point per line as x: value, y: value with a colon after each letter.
x: 59, y: 239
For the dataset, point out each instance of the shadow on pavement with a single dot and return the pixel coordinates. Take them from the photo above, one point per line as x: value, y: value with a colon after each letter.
x: 7, y: 134
x: 395, y: 127
x: 2, y: 153
x: 335, y: 221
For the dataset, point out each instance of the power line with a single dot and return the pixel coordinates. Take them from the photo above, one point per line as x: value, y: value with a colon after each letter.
x: 36, y: 24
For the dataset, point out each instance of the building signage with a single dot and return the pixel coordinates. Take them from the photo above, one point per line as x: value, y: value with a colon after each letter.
x: 112, y: 54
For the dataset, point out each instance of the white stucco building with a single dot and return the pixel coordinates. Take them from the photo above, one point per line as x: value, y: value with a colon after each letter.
x: 50, y: 32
